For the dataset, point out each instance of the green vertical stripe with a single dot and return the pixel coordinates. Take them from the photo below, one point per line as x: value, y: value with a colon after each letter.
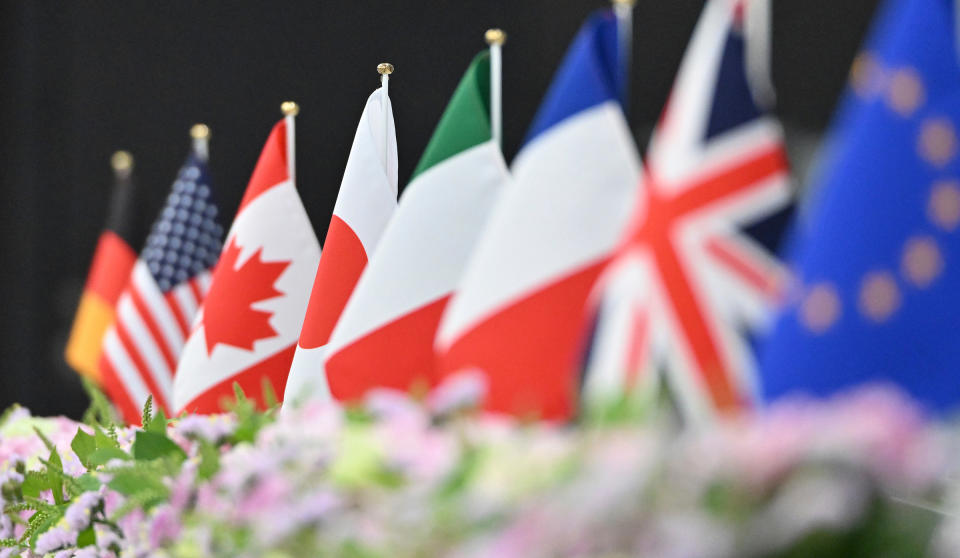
x: 466, y: 121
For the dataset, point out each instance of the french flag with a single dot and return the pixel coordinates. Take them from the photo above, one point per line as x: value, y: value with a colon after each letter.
x: 518, y: 312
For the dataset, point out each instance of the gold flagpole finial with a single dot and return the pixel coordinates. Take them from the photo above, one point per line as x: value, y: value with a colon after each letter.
x: 384, y: 68
x: 289, y: 108
x: 200, y: 131
x: 495, y: 36
x: 121, y: 161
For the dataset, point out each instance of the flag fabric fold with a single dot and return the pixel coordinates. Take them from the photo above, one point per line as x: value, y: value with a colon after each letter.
x: 247, y: 329
x: 162, y: 294
x: 519, y: 306
x: 365, y: 203
x: 385, y: 335
x: 704, y: 279
x: 875, y: 250
x: 114, y: 257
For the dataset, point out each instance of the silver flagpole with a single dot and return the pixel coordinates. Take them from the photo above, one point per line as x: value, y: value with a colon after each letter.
x: 290, y: 110
x: 495, y: 38
x: 385, y: 69
x: 623, y: 9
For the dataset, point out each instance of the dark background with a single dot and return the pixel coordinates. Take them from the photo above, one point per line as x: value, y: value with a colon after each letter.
x: 79, y: 80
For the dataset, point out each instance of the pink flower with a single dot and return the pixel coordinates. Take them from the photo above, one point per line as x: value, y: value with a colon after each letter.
x: 55, y: 539
x: 80, y: 511
x: 271, y: 492
x: 211, y: 428
x: 164, y: 526
x: 465, y: 389
x: 88, y: 552
x: 390, y: 405
x: 182, y: 486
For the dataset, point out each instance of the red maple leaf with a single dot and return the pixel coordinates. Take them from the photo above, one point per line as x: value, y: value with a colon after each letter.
x: 228, y: 315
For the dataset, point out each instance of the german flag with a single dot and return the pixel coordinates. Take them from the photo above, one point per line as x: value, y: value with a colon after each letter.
x: 113, y: 260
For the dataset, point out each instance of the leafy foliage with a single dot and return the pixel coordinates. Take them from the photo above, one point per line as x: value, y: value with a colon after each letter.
x: 319, y: 480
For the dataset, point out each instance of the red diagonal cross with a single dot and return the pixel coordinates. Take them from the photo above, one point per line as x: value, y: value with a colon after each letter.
x: 656, y: 232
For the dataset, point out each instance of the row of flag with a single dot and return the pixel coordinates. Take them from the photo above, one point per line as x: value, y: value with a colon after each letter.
x: 575, y: 272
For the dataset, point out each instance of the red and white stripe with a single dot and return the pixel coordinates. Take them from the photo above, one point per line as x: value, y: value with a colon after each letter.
x: 143, y: 345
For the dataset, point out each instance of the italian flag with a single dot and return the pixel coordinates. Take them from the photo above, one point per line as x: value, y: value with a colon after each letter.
x: 385, y: 336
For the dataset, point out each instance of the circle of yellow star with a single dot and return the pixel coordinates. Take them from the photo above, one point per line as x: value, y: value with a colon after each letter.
x: 943, y: 206
x: 865, y: 74
x: 820, y: 308
x: 937, y: 141
x: 879, y: 295
x: 905, y: 92
x: 921, y: 262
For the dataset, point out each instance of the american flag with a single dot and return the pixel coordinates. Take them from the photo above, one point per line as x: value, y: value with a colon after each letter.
x: 163, y: 294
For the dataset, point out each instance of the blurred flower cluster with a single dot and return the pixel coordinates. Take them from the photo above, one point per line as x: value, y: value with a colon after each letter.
x: 865, y: 474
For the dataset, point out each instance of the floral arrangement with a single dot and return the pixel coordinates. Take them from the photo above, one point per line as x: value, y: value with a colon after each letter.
x: 865, y: 474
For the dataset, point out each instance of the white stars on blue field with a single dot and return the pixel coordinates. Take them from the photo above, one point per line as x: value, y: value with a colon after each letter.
x: 185, y: 239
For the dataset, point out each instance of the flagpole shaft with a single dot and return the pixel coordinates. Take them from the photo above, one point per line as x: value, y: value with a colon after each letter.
x: 496, y: 92
x: 290, y: 110
x: 495, y: 38
x: 385, y: 69
x: 385, y: 87
x: 202, y: 148
x: 623, y: 9
x: 201, y: 141
x: 757, y: 28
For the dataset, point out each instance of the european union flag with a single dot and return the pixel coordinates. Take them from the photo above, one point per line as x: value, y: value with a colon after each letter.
x: 876, y: 252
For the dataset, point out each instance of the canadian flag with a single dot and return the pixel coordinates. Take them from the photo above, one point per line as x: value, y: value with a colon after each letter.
x: 367, y: 200
x: 247, y: 329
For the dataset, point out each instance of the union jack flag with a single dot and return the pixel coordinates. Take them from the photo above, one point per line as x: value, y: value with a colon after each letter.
x: 690, y: 279
x: 165, y: 289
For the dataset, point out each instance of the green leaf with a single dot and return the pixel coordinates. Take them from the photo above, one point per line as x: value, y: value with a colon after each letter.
x: 158, y: 423
x: 46, y: 441
x: 209, y: 460
x: 9, y: 543
x: 34, y: 482
x: 103, y: 455
x: 460, y: 476
x: 143, y: 500
x: 8, y: 412
x: 269, y: 395
x: 86, y: 537
x: 87, y: 482
x: 133, y: 481
x: 33, y: 505
x: 40, y: 523
x: 147, y: 411
x: 54, y: 467
x: 238, y: 392
x: 101, y: 411
x: 150, y: 445
x: 83, y: 445
x: 103, y: 439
